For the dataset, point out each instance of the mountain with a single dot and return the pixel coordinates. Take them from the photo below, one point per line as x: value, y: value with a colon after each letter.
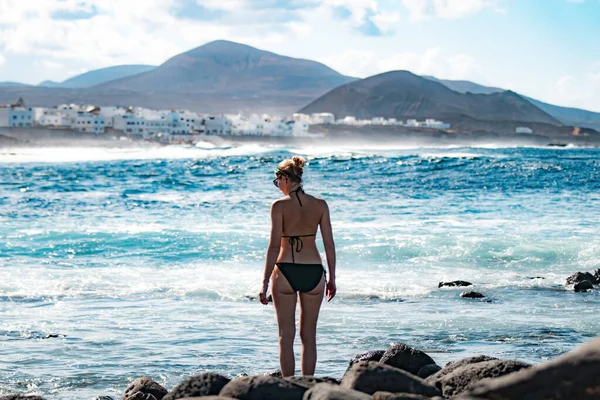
x: 50, y: 84
x: 567, y: 115
x: 229, y: 68
x: 403, y: 95
x: 13, y: 84
x: 99, y: 76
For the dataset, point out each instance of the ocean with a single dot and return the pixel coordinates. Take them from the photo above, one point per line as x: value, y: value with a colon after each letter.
x: 119, y: 263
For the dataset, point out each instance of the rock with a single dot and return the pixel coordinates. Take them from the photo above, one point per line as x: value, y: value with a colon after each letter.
x: 276, y: 373
x: 583, y: 286
x: 207, y: 384
x: 398, y: 396
x: 208, y: 398
x: 428, y: 370
x: 597, y: 276
x: 20, y: 397
x: 406, y: 358
x: 465, y: 377
x: 139, y: 388
x: 241, y: 375
x: 372, y: 355
x: 263, y: 388
x: 451, y: 366
x: 535, y: 277
x: 370, y: 377
x: 454, y: 284
x: 571, y: 376
x: 582, y: 276
x: 472, y: 295
x: 104, y: 398
x: 310, y: 381
x: 327, y: 391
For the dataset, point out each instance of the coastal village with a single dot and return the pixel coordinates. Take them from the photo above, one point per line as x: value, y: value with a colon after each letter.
x: 179, y: 126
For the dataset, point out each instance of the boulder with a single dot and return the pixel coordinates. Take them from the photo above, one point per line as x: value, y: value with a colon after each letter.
x: 399, y: 396
x: 465, y: 377
x: 371, y: 355
x: 472, y: 295
x: 582, y: 276
x: 20, y: 397
x: 597, y: 276
x: 263, y: 388
x: 207, y: 384
x: 371, y: 376
x: 583, y: 286
x: 327, y: 391
x: 141, y: 387
x: 104, y: 398
x: 452, y: 365
x: 406, y: 358
x: 454, y: 284
x: 428, y: 370
x: 208, y: 398
x: 310, y: 381
x: 571, y: 376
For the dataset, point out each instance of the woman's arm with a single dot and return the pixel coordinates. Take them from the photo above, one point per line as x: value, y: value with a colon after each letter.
x: 273, y: 249
x: 327, y: 235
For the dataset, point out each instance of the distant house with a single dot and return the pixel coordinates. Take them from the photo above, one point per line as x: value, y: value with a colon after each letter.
x: 16, y: 115
x: 523, y: 129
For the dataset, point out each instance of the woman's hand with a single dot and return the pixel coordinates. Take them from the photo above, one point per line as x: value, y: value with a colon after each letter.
x: 262, y: 296
x: 331, y: 289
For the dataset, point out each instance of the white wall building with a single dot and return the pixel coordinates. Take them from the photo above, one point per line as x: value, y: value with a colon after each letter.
x: 89, y: 122
x: 16, y: 115
x: 523, y: 129
x: 322, y: 118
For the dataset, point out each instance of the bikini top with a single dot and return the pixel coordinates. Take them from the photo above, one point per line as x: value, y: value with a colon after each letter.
x: 295, y: 241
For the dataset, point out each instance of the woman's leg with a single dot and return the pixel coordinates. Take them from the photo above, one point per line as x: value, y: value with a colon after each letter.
x: 310, y: 304
x: 284, y: 299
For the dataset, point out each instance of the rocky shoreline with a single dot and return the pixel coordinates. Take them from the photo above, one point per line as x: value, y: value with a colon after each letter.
x: 401, y: 372
x: 397, y: 373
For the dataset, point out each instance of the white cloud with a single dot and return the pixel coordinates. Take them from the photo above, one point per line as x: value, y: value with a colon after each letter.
x: 433, y: 61
x: 50, y: 64
x: 580, y: 92
x: 2, y: 59
x: 427, y: 9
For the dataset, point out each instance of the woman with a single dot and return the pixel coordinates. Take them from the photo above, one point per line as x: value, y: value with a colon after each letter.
x: 294, y: 264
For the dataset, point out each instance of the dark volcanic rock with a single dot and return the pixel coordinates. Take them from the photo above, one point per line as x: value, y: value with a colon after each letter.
x: 472, y: 295
x: 451, y: 366
x: 428, y: 370
x: 310, y: 381
x: 105, y: 398
x: 465, y: 377
x: 207, y: 384
x: 582, y: 276
x: 209, y: 398
x: 141, y: 387
x: 398, y: 396
x: 327, y: 391
x: 263, y: 388
x: 371, y: 377
x: 583, y: 286
x: 406, y: 358
x: 571, y: 376
x: 20, y: 397
x: 372, y: 355
x: 454, y: 284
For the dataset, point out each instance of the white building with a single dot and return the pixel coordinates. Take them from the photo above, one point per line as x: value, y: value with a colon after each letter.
x: 16, y: 115
x: 89, y: 121
x: 322, y: 118
x: 50, y: 117
x: 523, y: 129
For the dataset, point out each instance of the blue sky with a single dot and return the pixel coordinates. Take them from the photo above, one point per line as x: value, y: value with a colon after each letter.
x: 546, y: 49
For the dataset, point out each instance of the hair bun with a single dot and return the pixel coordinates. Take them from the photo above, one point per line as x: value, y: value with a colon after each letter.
x: 298, y: 161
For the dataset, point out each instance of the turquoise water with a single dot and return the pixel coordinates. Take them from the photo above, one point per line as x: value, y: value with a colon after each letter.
x: 144, y: 261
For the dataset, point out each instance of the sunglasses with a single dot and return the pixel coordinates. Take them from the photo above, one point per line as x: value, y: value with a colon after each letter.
x: 278, y: 175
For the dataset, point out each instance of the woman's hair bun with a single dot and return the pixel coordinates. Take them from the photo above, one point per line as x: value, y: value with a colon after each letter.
x: 298, y: 161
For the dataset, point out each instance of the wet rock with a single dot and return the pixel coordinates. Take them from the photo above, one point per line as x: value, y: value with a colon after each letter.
x: 144, y: 388
x: 20, y: 397
x: 276, y: 373
x: 583, y: 286
x: 454, y: 284
x: 310, y: 381
x: 597, y: 276
x: 263, y: 388
x: 582, y: 276
x: 398, y: 396
x: 327, y: 391
x: 452, y: 365
x: 105, y: 398
x: 370, y: 377
x: 207, y: 384
x: 465, y: 377
x: 372, y: 355
x: 209, y: 398
x: 428, y: 370
x: 404, y: 357
x: 571, y: 376
x: 535, y: 277
x: 472, y: 295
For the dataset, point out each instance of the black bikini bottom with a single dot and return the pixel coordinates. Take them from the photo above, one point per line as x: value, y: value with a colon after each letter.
x: 302, y: 277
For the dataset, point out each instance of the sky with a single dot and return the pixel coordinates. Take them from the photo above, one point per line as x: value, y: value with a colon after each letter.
x: 545, y: 49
